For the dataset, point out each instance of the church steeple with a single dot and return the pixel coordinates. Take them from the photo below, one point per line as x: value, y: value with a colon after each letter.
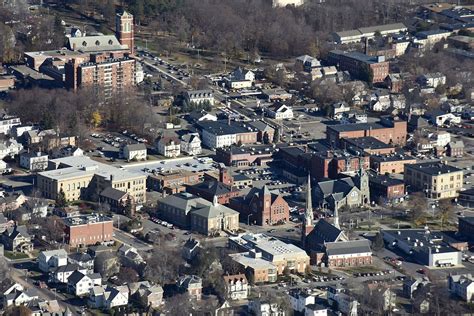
x: 307, y: 225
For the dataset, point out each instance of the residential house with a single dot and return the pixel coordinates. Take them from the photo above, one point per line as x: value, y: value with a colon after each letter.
x: 198, y: 116
x: 455, y: 148
x: 83, y: 260
x: 299, y: 299
x: 108, y: 297
x: 11, y: 201
x: 440, y: 118
x: 7, y: 122
x: 237, y: 287
x: 240, y: 79
x: 62, y: 273
x: 190, y: 249
x: 192, y: 285
x: 52, y: 259
x: 380, y: 101
x: 17, y: 239
x: 279, y: 111
x: 80, y: 284
x: 130, y: 256
x: 191, y: 144
x: 307, y: 63
x: 342, y: 301
x: 432, y: 80
x: 34, y: 161
x: 151, y: 296
x: 20, y: 297
x: 136, y: 152
x: 259, y: 307
x: 315, y: 310
x: 36, y: 207
x: 68, y: 151
x: 462, y: 285
x: 168, y: 146
x: 10, y: 148
x: 338, y: 109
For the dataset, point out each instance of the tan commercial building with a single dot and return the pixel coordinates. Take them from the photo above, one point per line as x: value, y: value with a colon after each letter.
x: 391, y: 163
x: 281, y: 255
x: 82, y: 177
x: 437, y: 180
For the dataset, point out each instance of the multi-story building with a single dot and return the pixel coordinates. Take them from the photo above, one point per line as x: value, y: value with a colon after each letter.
x: 373, y: 69
x: 133, y: 152
x: 466, y: 227
x: 7, y: 122
x: 435, y: 179
x: 172, y: 181
x: 82, y: 177
x: 392, y: 163
x: 262, y: 207
x: 168, y: 146
x: 124, y: 30
x: 427, y: 39
x: 279, y: 111
x: 195, y: 213
x: 222, y: 133
x: 107, y: 74
x: 368, y: 144
x: 88, y: 230
x: 462, y: 285
x: 354, y: 36
x: 237, y: 286
x: 244, y: 156
x: 199, y: 97
x: 284, y: 3
x: 388, y: 130
x: 385, y: 187
x: 281, y: 255
x: 191, y: 144
x: 34, y: 161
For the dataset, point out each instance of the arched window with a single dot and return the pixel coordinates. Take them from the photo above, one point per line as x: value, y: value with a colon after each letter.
x: 97, y: 43
x: 84, y: 43
x: 110, y: 42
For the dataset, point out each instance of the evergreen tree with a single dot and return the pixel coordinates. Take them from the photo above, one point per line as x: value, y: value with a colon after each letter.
x: 61, y: 199
x: 378, y: 243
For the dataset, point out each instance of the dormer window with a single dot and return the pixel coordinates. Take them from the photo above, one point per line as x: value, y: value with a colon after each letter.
x: 84, y: 43
x: 110, y: 42
x: 97, y: 43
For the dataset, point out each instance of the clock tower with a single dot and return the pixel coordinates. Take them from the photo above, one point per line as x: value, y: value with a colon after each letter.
x: 124, y: 30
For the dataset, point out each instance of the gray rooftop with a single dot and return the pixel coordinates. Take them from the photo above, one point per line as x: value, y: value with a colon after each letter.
x: 348, y: 247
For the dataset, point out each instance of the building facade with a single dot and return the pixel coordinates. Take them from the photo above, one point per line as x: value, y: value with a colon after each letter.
x: 88, y: 230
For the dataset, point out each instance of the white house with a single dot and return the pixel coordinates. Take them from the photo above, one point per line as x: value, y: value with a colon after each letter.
x: 62, y: 273
x: 284, y: 3
x: 52, y: 259
x: 432, y: 80
x: 300, y: 299
x: 108, y: 297
x: 345, y: 304
x: 315, y: 310
x: 80, y: 283
x: 237, y: 286
x: 240, y: 79
x: 338, y: 109
x: 439, y: 118
x: 280, y: 111
x: 168, y: 146
x: 10, y: 148
x: 191, y: 144
x: 21, y: 297
x: 130, y: 256
x: 34, y: 161
x: 83, y: 260
x: 199, y: 97
x: 440, y: 139
x: 133, y: 152
x: 7, y: 122
x: 462, y: 285
x: 263, y: 308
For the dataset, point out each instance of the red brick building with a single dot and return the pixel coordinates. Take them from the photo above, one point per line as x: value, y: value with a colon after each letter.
x: 262, y: 207
x: 392, y: 163
x: 88, y: 230
x: 124, y: 30
x: 385, y: 187
x: 373, y: 69
x: 244, y: 156
x: 388, y: 130
x: 334, y: 162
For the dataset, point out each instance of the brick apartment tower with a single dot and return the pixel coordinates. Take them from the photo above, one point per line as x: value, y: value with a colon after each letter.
x: 124, y: 30
x: 307, y: 225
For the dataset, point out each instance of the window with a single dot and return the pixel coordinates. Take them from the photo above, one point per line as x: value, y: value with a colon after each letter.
x: 97, y: 43
x: 84, y: 43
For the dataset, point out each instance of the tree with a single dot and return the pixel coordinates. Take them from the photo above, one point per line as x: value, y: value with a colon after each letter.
x: 378, y: 243
x: 51, y: 227
x: 127, y: 275
x: 96, y: 118
x: 61, y: 199
x: 418, y: 204
x: 107, y: 264
x: 446, y: 211
x: 178, y: 305
x: 164, y: 265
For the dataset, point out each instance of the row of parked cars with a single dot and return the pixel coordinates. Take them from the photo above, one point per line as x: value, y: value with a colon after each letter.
x: 163, y: 223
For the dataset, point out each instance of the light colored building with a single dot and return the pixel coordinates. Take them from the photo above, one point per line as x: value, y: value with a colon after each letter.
x: 192, y: 285
x: 345, y: 304
x: 169, y: 147
x: 74, y: 175
x: 259, y: 307
x: 435, y: 179
x: 425, y: 246
x: 237, y: 286
x: 432, y: 80
x: 218, y: 134
x: 427, y: 39
x: 34, y: 161
x: 300, y: 299
x: 279, y: 111
x: 10, y: 148
x: 462, y: 285
x: 191, y: 144
x: 315, y: 310
x: 354, y: 36
x: 52, y: 259
x: 284, y: 3
x: 281, y: 255
x: 240, y: 79
x: 7, y: 122
x: 199, y: 97
x: 134, y: 152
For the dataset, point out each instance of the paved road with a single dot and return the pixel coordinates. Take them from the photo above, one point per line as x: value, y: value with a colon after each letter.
x: 131, y: 240
x: 149, y: 64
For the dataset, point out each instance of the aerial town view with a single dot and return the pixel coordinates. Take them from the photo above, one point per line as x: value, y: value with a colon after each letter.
x: 236, y: 157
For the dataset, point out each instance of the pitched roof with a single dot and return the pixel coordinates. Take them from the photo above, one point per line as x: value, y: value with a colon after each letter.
x: 136, y: 147
x: 95, y: 43
x: 348, y: 247
x: 213, y: 211
x: 80, y: 256
x: 113, y: 194
x: 76, y: 277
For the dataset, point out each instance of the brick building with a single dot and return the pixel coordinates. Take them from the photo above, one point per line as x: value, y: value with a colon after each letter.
x: 172, y: 181
x: 466, y: 227
x: 334, y: 162
x: 222, y: 189
x: 262, y: 207
x: 244, y: 156
x: 124, y: 30
x: 388, y: 130
x: 373, y: 69
x: 88, y: 230
x: 386, y: 188
x: 368, y: 144
x: 108, y: 73
x: 392, y: 163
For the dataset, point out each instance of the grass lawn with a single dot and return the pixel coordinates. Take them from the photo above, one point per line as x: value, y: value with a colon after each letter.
x: 13, y: 256
x: 360, y: 269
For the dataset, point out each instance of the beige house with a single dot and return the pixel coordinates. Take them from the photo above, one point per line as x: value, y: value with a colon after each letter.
x: 78, y: 177
x: 435, y: 179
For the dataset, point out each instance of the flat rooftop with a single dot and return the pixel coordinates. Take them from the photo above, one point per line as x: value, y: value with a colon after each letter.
x: 422, y: 240
x: 392, y: 157
x: 86, y: 219
x: 74, y: 167
x: 433, y: 168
